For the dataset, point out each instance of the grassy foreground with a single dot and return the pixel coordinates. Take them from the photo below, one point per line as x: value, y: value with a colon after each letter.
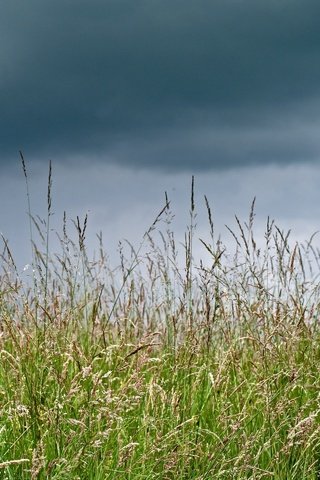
x: 158, y: 370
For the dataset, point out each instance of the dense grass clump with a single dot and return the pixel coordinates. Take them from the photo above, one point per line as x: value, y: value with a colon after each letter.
x: 158, y: 369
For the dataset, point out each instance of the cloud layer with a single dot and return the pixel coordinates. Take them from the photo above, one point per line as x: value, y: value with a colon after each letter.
x: 123, y: 203
x: 171, y: 85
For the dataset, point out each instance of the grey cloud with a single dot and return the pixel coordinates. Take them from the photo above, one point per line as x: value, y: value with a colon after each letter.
x: 123, y: 203
x: 131, y: 81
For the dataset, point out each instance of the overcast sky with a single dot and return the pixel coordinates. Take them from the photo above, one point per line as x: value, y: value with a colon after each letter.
x: 129, y: 98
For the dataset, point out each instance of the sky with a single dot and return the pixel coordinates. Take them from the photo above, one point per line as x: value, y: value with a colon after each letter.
x: 130, y: 98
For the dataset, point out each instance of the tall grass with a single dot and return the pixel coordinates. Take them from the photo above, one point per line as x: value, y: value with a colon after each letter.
x: 158, y: 369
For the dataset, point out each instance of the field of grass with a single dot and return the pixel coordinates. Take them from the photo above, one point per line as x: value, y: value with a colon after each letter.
x: 161, y: 368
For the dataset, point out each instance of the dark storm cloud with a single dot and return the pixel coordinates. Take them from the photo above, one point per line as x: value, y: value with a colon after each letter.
x: 161, y: 83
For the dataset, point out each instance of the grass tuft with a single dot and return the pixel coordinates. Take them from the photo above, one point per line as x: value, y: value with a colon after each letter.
x: 161, y: 369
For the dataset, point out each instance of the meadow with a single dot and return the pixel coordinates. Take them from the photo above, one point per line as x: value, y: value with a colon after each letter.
x: 163, y: 367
